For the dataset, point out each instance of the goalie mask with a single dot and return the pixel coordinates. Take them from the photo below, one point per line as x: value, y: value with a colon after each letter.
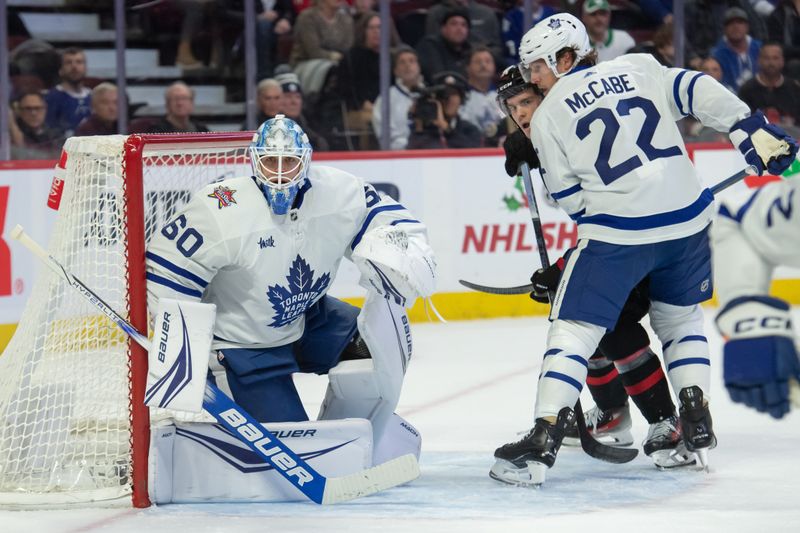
x: 550, y: 36
x: 280, y: 155
x: 511, y: 84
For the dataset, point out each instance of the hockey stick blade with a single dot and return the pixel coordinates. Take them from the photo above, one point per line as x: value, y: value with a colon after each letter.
x: 519, y: 289
x: 244, y: 427
x: 597, y: 449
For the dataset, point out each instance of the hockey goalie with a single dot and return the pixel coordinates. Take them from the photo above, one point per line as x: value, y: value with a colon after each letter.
x: 264, y: 250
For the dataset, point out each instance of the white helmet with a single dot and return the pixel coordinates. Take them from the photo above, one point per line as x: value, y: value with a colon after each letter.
x: 550, y: 35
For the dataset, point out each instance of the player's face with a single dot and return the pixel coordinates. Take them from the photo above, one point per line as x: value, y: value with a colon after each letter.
x: 542, y: 76
x: 522, y: 106
x: 280, y: 170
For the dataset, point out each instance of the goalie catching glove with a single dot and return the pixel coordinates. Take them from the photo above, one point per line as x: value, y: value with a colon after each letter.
x: 760, y: 357
x: 396, y: 264
x: 764, y: 145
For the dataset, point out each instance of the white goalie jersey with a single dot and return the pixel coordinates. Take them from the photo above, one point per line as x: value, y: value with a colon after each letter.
x: 263, y: 271
x: 613, y: 157
x: 756, y: 233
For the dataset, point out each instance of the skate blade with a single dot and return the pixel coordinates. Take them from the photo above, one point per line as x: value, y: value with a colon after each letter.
x: 702, y: 459
x: 505, y: 472
x: 610, y: 440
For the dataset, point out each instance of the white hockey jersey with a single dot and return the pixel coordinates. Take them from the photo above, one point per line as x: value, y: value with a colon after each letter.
x: 613, y: 157
x: 753, y: 235
x: 260, y: 269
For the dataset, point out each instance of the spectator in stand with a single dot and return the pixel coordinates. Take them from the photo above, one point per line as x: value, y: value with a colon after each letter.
x: 737, y: 52
x: 31, y: 137
x: 784, y: 27
x: 359, y: 70
x: 513, y: 28
x: 103, y: 120
x: 483, y: 23
x: 436, y: 120
x: 179, y: 100
x: 704, y: 24
x: 275, y: 18
x: 776, y: 95
x: 448, y: 50
x: 292, y: 107
x: 660, y: 47
x: 322, y: 35
x: 407, y: 82
x: 657, y: 12
x: 69, y: 102
x: 480, y: 107
x: 608, y: 42
x: 269, y: 99
x: 712, y: 67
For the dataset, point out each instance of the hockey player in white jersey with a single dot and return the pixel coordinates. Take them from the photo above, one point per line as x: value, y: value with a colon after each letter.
x: 265, y: 249
x: 756, y: 234
x: 614, y: 160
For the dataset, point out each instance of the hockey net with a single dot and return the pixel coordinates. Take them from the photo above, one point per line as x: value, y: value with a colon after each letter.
x: 73, y: 426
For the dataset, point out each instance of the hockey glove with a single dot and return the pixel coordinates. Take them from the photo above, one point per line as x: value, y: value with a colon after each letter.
x: 764, y: 145
x: 759, y: 356
x: 519, y: 150
x: 545, y: 281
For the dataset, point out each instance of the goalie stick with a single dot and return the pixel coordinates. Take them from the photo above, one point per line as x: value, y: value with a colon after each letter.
x: 315, y: 486
x: 590, y: 445
x: 527, y: 288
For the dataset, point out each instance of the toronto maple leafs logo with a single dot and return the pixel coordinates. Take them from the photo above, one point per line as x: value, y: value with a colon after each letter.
x: 292, y: 301
x: 223, y: 195
x: 554, y: 24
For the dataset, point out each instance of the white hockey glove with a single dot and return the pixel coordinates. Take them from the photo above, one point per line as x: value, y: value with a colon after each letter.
x: 764, y: 145
x: 396, y: 264
x: 760, y: 359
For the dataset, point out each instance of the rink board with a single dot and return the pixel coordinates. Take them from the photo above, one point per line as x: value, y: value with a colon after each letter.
x: 478, y: 221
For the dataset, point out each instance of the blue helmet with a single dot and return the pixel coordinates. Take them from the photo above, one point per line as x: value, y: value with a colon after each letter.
x: 280, y: 155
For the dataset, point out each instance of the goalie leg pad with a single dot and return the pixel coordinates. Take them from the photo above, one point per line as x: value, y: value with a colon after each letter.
x: 570, y: 343
x: 685, y: 347
x: 370, y: 388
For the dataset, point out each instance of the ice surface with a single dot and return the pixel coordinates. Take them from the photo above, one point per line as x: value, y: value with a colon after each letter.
x: 470, y: 388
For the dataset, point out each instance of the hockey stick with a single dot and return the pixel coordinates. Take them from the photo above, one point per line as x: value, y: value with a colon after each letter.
x: 590, y: 445
x: 526, y: 289
x: 315, y: 486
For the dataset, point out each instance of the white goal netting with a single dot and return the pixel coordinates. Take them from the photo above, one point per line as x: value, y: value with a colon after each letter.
x: 65, y: 378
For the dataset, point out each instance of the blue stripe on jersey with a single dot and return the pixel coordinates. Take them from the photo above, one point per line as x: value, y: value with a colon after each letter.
x: 742, y: 210
x: 565, y: 378
x: 691, y: 92
x: 301, y: 194
x: 566, y: 192
x: 667, y: 345
x: 405, y: 221
x: 658, y: 220
x: 578, y: 215
x: 155, y: 278
x: 552, y: 351
x: 579, y: 359
x: 175, y: 269
x: 689, y: 361
x: 370, y: 216
x: 691, y: 338
x: 676, y: 91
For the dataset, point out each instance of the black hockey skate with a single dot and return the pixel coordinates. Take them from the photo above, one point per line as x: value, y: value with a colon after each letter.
x: 526, y: 461
x: 698, y: 433
x: 664, y: 444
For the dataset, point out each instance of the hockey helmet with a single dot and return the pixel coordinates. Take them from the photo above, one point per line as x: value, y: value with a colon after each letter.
x: 280, y: 154
x: 511, y: 84
x: 548, y: 37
